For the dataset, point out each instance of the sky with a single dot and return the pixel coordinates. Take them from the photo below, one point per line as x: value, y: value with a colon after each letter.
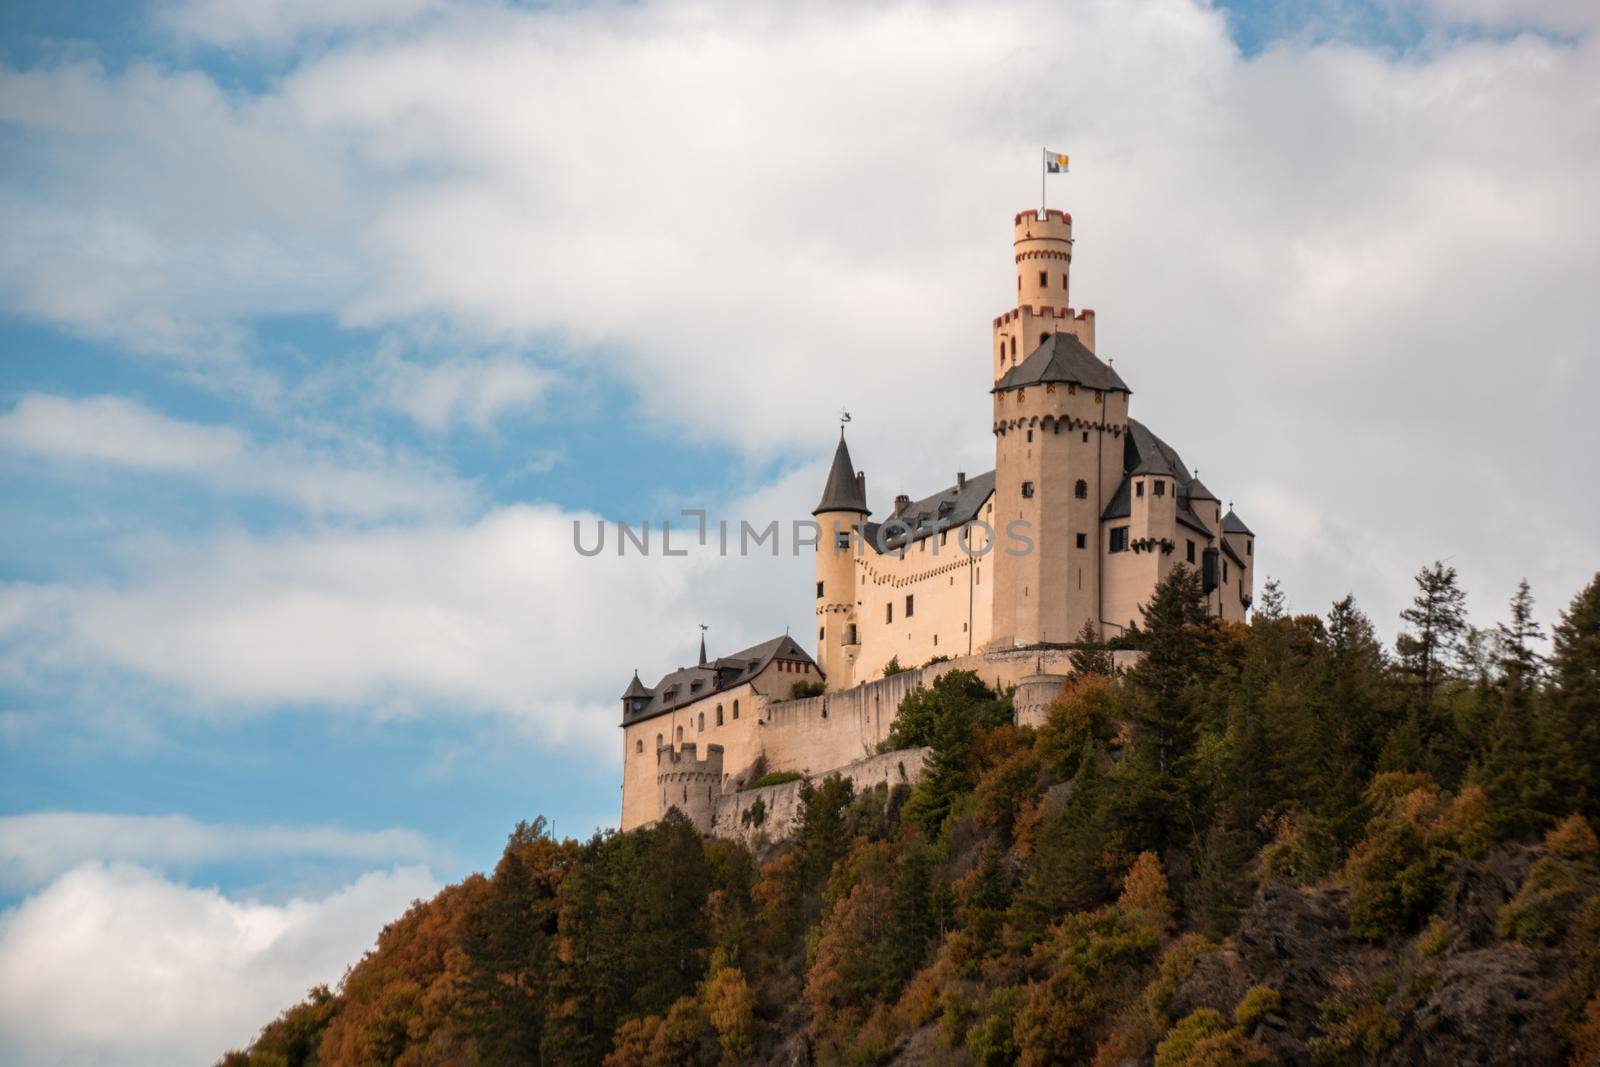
x: 323, y: 321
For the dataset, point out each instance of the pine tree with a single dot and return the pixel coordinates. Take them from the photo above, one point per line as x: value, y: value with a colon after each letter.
x: 1438, y: 614
x: 1575, y: 674
x: 1519, y: 663
x: 1091, y: 657
x: 1270, y: 607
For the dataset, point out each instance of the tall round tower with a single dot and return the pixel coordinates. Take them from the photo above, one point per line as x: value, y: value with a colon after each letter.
x: 840, y: 513
x: 1059, y: 418
x: 1042, y: 247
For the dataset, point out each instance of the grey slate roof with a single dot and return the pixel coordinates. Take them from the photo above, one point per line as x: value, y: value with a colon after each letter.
x: 1145, y: 453
x: 690, y: 685
x: 1062, y: 358
x: 1196, y: 490
x: 1232, y: 523
x: 948, y: 509
x: 844, y: 490
x: 635, y: 688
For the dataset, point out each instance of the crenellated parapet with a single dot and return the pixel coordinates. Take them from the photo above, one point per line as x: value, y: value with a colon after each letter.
x: 690, y: 782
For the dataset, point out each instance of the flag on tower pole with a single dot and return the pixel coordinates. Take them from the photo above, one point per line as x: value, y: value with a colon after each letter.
x: 1054, y: 163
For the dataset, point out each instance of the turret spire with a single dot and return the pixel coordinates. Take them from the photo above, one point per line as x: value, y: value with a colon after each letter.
x: 844, y: 490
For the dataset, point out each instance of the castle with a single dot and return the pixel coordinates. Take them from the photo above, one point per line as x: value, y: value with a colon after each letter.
x: 1085, y: 512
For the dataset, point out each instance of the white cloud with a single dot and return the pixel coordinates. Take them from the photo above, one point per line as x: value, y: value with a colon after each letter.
x: 38, y: 846
x: 115, y: 432
x: 1343, y: 283
x: 114, y: 964
x: 499, y: 617
x: 472, y: 390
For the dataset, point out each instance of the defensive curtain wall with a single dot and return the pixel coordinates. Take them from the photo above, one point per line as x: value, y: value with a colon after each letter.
x: 841, y: 733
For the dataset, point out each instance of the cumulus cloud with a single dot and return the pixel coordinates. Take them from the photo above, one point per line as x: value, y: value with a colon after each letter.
x: 501, y: 616
x: 114, y: 963
x: 36, y: 847
x: 1344, y: 283
x: 474, y: 391
x: 114, y: 432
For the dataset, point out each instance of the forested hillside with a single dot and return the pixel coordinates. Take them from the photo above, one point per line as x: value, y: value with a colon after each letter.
x: 1275, y: 843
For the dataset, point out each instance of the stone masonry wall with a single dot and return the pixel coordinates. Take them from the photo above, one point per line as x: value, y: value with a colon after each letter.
x: 780, y: 804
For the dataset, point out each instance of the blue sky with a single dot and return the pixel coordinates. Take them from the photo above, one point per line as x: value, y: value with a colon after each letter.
x: 320, y: 323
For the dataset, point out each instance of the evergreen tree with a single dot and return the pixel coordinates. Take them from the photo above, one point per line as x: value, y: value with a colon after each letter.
x: 1438, y: 617
x: 1519, y: 663
x: 1090, y: 657
x: 1270, y: 606
x: 1575, y: 674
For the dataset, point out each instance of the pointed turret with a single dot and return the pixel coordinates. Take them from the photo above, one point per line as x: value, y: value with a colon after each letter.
x: 635, y: 698
x: 702, y: 646
x: 845, y: 490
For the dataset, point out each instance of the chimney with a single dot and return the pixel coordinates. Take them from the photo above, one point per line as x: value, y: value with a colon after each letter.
x: 901, y: 503
x: 961, y: 480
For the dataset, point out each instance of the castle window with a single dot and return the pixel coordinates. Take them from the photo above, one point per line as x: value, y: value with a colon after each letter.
x: 1191, y: 550
x: 1080, y: 489
x: 911, y: 605
x: 1249, y: 548
x: 888, y: 613
x: 680, y: 735
x: 1161, y: 487
x: 1119, y: 539
x: 735, y: 709
x: 1044, y: 278
x: 1043, y: 337
x: 1072, y: 390
x: 1083, y: 540
x: 719, y: 714
x: 1138, y: 488
x: 819, y: 634
x: 1013, y: 346
x: 1063, y: 281
x: 935, y: 640
x: 1030, y: 436
x: 1086, y: 437
x: 1224, y: 570
x: 842, y: 543
x: 819, y: 590
x: 658, y: 740
x: 1027, y: 490
x: 702, y: 724
x: 638, y: 746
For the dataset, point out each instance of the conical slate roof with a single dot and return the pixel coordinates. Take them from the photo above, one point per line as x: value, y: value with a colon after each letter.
x: 843, y: 491
x: 635, y: 688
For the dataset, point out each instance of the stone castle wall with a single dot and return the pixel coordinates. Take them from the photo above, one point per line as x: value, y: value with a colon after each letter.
x: 779, y: 805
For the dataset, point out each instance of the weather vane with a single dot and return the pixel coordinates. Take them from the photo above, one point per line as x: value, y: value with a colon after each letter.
x: 844, y: 416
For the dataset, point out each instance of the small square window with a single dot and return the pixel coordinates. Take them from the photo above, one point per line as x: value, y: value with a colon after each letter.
x: 1030, y: 436
x: 1119, y: 539
x: 1086, y: 437
x: 1161, y: 487
x: 842, y: 542
x: 1044, y: 278
x: 1083, y: 540
x: 1027, y: 490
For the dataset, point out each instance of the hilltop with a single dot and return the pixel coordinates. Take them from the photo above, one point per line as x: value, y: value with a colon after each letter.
x: 1273, y: 842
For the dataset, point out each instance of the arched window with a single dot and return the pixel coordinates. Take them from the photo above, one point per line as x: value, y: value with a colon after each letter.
x: 658, y: 740
x: 702, y: 725
x: 719, y: 714
x: 1080, y: 489
x: 1013, y: 346
x: 638, y: 746
x: 680, y: 735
